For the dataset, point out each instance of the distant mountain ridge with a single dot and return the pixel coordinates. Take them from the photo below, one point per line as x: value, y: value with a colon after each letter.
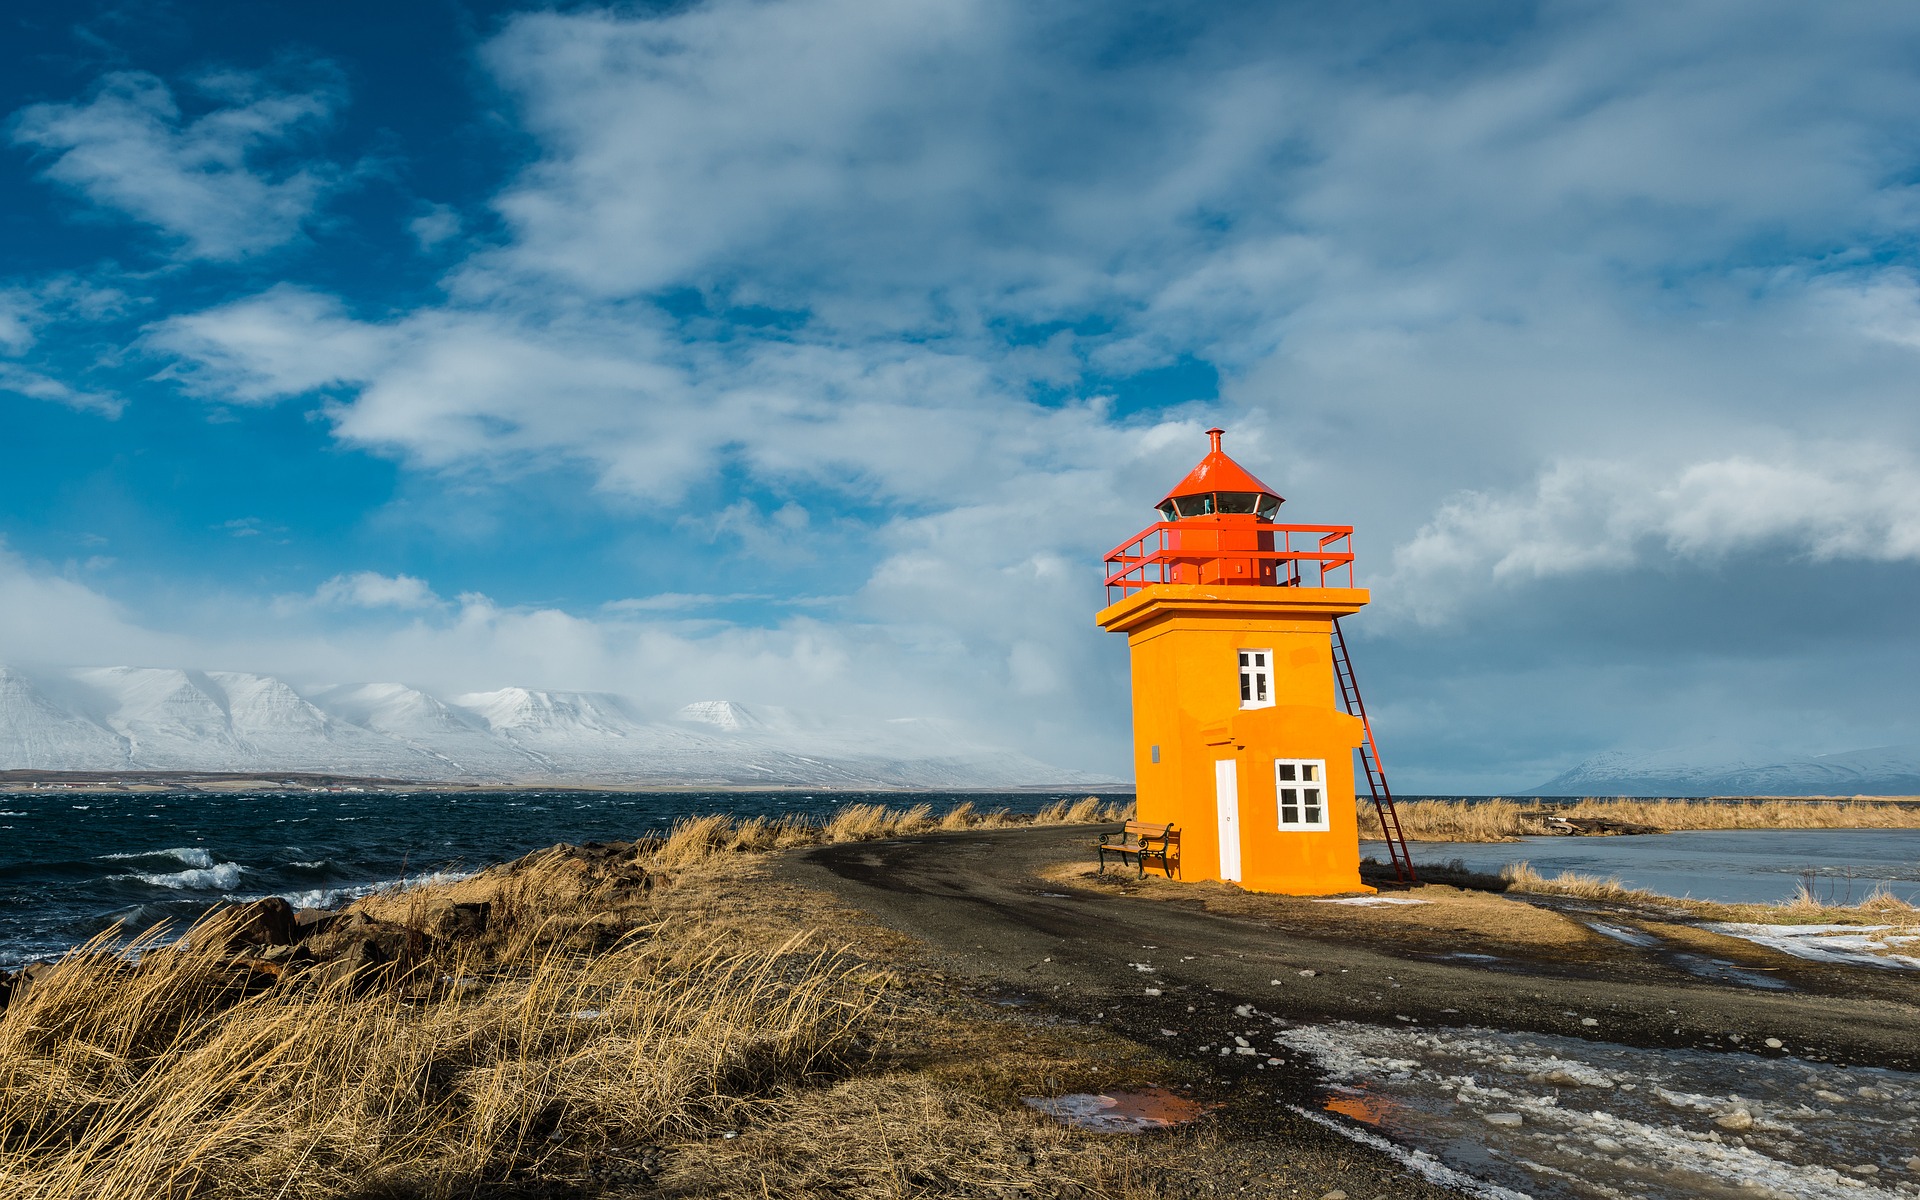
x: 172, y: 719
x: 1731, y: 769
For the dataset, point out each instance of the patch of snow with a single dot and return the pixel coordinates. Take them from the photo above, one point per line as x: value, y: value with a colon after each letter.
x: 1599, y: 1120
x: 1846, y: 944
x: 1367, y: 901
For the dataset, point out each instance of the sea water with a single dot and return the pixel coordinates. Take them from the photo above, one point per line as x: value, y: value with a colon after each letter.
x: 74, y: 864
x: 1735, y: 866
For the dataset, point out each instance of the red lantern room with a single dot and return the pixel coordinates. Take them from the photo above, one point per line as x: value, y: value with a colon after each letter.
x: 1218, y: 508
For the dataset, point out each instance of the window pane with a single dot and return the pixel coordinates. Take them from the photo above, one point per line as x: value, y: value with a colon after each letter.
x: 1289, y: 815
x: 1246, y: 689
x: 1243, y: 658
x: 1269, y: 508
x: 1260, y: 685
x: 1259, y: 658
x: 1313, y: 795
x: 1167, y: 512
x: 1309, y: 770
x: 1286, y: 771
x: 1313, y: 816
x: 1239, y: 502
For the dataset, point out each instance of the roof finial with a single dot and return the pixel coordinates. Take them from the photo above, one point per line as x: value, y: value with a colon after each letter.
x: 1215, y: 434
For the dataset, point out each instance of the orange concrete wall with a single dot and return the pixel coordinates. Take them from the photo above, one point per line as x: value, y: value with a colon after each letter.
x: 1184, y: 641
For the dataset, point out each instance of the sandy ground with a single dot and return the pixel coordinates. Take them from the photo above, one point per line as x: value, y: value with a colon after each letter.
x: 1019, y: 916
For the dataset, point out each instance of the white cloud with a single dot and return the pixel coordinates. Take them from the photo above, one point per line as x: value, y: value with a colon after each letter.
x: 284, y: 342
x: 1827, y: 503
x: 435, y: 225
x: 370, y: 589
x: 45, y: 617
x: 23, y: 382
x: 18, y: 315
x: 202, y: 180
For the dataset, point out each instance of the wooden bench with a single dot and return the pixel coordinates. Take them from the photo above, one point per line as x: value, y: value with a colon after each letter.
x: 1143, y: 842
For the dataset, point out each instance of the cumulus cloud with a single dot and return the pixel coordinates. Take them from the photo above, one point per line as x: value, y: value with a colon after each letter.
x: 370, y: 589
x: 213, y: 182
x: 283, y: 342
x: 1830, y: 502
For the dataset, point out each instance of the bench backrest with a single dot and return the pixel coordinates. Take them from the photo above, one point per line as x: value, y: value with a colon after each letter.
x: 1144, y: 829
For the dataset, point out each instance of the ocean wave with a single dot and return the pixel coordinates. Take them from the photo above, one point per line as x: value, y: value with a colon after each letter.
x: 220, y: 877
x: 186, y: 856
x: 334, y: 897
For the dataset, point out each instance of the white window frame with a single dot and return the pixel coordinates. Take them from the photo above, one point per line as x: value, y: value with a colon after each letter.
x: 1256, y: 677
x: 1307, y: 774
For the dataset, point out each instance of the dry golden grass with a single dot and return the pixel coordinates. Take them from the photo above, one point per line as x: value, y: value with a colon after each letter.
x: 597, y: 1039
x: 1505, y: 820
x: 693, y: 839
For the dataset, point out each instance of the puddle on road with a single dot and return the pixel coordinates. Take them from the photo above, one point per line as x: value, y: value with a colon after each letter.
x: 1721, y: 970
x: 1632, y: 937
x: 1561, y: 1119
x: 1120, y: 1112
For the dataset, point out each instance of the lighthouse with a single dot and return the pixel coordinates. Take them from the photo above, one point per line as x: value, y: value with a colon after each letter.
x: 1246, y: 716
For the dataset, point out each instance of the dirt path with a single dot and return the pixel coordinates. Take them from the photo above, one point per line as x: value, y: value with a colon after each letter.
x: 995, y: 908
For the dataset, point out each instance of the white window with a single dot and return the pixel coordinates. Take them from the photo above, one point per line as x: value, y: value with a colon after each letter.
x: 1256, y: 679
x: 1300, y: 785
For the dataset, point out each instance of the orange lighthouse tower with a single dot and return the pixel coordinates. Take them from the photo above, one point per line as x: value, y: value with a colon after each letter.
x: 1246, y: 714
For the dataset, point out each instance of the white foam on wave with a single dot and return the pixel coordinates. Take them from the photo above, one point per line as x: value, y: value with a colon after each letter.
x: 219, y: 877
x: 186, y: 856
x: 334, y: 897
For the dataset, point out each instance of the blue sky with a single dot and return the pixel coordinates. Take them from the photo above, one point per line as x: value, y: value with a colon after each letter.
x: 811, y: 352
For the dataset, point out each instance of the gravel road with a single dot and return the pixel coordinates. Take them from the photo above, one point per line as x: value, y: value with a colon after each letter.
x: 1183, y: 978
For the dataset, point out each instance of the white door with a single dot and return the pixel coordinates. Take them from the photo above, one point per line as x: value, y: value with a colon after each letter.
x: 1226, y: 796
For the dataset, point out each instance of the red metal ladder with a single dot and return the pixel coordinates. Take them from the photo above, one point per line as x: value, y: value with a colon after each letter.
x: 1370, y: 760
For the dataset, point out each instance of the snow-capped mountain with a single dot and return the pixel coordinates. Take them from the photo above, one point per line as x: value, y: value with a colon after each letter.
x: 146, y: 718
x: 1732, y: 769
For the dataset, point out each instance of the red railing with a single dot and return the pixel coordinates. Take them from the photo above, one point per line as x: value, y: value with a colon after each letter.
x: 1183, y: 551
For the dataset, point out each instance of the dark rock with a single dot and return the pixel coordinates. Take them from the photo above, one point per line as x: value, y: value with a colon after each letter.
x: 312, y: 922
x: 455, y: 922
x: 361, y: 963
x: 268, y: 922
x: 27, y: 977
x: 376, y: 952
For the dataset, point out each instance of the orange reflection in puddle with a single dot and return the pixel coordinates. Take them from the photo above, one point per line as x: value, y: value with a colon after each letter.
x: 1362, y: 1106
x: 1121, y: 1112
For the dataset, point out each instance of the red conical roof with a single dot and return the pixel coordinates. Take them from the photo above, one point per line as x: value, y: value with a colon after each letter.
x: 1218, y: 473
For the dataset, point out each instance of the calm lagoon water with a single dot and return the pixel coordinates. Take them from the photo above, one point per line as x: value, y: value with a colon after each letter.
x: 1840, y: 866
x: 72, y: 864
